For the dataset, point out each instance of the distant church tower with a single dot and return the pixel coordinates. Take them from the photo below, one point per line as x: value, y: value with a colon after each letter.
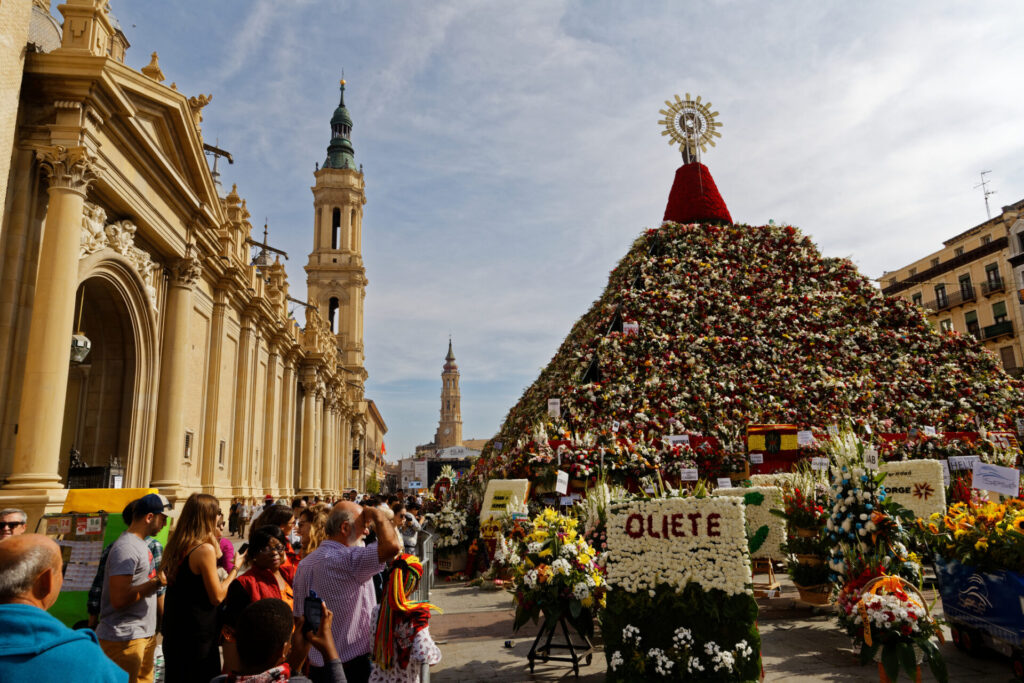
x: 335, y: 276
x: 449, y: 431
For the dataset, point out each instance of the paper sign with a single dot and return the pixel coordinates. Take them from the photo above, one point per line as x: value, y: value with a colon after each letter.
x: 415, y: 484
x: 630, y: 328
x: 963, y: 462
x: 681, y: 439
x: 500, y: 500
x: 615, y: 425
x: 94, y: 525
x: 52, y: 526
x: 498, y: 445
x: 805, y: 438
x: 819, y: 463
x: 562, y: 484
x: 724, y: 483
x: 1004, y: 480
x: 555, y: 407
x: 65, y: 525
x: 945, y: 472
x: 689, y: 474
x: 871, y: 458
x: 500, y: 494
x: 928, y: 430
x: 833, y: 430
x: 565, y: 501
x: 916, y: 485
x: 649, y: 490
x: 1020, y: 426
x: 756, y: 458
x: 81, y: 524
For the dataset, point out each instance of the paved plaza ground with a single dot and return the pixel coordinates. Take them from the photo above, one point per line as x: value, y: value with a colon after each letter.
x: 800, y: 644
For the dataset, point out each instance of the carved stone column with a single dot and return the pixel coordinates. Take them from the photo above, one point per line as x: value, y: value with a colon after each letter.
x: 271, y: 423
x: 240, y: 476
x: 170, y: 419
x: 318, y: 440
x: 211, y: 446
x: 307, y: 472
x: 37, y: 445
x: 286, y: 449
x: 345, y: 451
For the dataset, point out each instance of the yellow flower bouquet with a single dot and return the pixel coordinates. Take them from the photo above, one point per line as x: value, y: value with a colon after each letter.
x: 988, y: 536
x: 559, y: 575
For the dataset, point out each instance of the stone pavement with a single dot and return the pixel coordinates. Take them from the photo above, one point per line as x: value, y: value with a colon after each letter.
x: 800, y: 644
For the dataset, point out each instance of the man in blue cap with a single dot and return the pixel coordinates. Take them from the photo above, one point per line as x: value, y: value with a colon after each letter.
x: 92, y: 604
x: 127, y: 628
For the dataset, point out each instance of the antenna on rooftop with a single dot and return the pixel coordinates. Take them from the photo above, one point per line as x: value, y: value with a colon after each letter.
x: 985, y: 191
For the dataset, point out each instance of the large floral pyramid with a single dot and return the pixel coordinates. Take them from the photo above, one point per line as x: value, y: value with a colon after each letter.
x: 738, y: 325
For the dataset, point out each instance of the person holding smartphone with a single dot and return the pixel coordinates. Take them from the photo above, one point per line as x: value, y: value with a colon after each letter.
x: 341, y: 572
x: 270, y: 647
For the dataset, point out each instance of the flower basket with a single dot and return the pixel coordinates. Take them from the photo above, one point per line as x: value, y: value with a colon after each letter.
x: 452, y: 562
x: 742, y: 475
x: 815, y: 595
x: 891, y: 650
x: 810, y: 560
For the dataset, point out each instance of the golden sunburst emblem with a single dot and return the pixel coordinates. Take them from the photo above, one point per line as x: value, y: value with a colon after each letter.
x: 690, y: 124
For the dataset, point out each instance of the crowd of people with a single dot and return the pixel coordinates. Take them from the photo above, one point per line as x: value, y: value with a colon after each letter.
x: 320, y: 590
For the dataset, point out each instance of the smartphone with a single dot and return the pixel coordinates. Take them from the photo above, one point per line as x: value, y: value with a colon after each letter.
x: 313, y: 610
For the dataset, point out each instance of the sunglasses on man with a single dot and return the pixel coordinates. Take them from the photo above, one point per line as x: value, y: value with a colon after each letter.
x: 11, y: 526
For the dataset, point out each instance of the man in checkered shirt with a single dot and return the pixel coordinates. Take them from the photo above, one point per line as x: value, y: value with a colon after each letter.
x: 341, y: 572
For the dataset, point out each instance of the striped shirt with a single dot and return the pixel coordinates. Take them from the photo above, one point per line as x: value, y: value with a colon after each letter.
x: 342, y: 577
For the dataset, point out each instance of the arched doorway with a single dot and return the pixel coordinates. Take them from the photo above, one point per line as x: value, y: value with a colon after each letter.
x: 109, y: 398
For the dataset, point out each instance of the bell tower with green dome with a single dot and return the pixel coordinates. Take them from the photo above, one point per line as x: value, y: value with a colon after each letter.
x: 335, y: 276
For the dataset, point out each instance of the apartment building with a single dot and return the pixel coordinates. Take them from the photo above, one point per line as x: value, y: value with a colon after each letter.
x: 971, y: 285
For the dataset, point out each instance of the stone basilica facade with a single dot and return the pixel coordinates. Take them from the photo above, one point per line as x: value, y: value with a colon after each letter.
x: 116, y: 240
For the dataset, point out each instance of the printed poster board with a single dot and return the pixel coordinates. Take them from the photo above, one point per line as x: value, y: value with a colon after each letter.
x: 499, y: 495
x: 75, y: 530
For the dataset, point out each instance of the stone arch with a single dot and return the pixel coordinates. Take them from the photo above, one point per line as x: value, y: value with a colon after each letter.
x: 117, y: 289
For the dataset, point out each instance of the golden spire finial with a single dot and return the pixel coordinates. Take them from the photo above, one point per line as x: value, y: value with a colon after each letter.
x: 690, y: 124
x: 342, y: 81
x: 152, y: 70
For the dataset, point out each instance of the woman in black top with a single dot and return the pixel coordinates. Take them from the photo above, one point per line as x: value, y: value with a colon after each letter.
x: 194, y: 590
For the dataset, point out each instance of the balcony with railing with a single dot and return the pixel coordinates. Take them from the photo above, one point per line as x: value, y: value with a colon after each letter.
x: 997, y: 330
x: 989, y: 287
x: 959, y: 298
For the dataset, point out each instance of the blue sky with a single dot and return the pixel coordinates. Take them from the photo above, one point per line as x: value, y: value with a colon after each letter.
x: 512, y: 151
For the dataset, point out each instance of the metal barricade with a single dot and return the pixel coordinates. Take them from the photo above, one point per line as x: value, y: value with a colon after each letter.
x: 425, y: 551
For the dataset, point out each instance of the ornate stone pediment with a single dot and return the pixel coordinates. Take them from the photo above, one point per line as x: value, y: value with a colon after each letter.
x: 119, y: 237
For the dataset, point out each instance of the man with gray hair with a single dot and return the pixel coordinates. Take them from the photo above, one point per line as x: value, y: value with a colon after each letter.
x: 341, y: 573
x: 12, y: 522
x: 35, y: 646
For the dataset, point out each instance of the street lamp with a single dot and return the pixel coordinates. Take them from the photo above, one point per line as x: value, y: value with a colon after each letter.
x: 80, y: 344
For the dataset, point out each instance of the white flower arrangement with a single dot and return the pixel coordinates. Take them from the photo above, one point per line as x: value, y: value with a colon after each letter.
x: 450, y: 526
x: 758, y: 516
x: 706, y: 544
x: 682, y: 652
x: 916, y: 485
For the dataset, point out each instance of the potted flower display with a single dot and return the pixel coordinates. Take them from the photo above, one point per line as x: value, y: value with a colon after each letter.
x: 979, y: 557
x: 804, y: 508
x: 449, y: 524
x: 559, y: 576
